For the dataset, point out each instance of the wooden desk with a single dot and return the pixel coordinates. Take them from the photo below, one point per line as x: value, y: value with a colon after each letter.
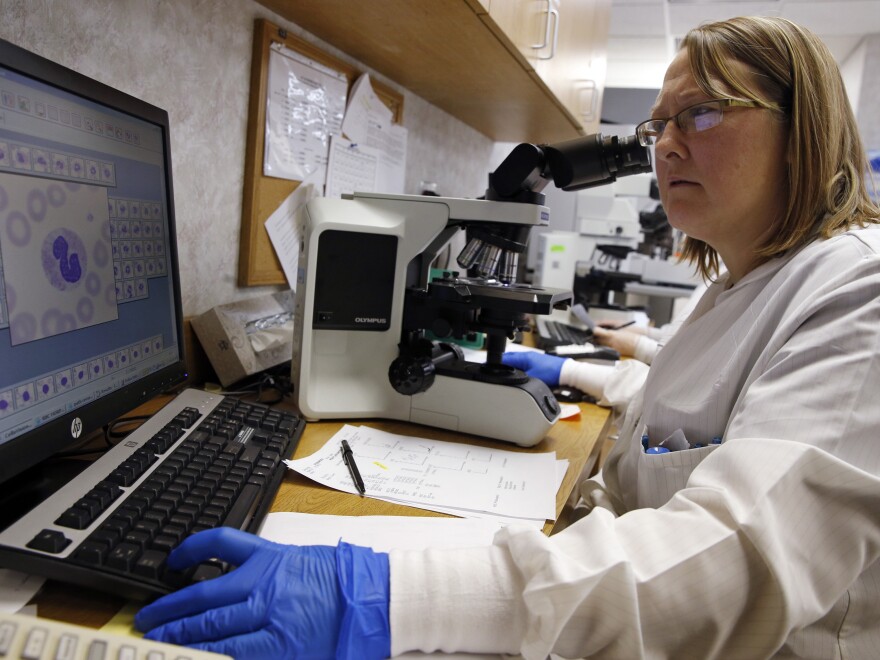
x: 578, y: 440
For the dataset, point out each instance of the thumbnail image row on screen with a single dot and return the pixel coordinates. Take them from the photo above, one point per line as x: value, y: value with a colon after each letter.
x: 29, y: 393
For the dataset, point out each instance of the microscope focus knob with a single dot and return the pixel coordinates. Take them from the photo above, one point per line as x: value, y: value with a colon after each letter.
x: 411, y: 375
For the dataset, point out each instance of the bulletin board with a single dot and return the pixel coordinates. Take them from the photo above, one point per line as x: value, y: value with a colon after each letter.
x: 257, y: 263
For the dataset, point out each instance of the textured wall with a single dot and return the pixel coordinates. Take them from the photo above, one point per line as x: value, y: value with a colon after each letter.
x: 192, y: 58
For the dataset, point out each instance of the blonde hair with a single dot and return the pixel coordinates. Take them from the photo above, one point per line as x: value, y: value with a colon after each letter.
x: 790, y: 71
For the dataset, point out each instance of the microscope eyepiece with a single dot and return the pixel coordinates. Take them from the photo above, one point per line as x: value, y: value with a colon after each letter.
x: 584, y: 162
x: 595, y: 160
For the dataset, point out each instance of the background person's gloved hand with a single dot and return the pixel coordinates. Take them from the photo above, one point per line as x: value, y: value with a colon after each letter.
x: 282, y: 601
x: 537, y: 365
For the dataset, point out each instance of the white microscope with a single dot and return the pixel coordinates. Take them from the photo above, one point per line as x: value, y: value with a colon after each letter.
x: 371, y: 320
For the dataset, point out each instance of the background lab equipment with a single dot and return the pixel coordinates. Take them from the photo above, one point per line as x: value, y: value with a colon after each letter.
x: 366, y: 300
x: 616, y: 254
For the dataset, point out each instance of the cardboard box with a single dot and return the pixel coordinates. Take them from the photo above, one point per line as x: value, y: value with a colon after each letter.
x: 246, y: 337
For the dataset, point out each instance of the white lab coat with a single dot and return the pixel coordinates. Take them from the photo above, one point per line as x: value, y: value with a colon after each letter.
x: 764, y: 545
x: 616, y: 385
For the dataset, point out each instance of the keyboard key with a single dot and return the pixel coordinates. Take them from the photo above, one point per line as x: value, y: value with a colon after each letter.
x: 35, y: 643
x: 150, y: 564
x: 123, y: 556
x: 75, y: 518
x: 92, y: 552
x: 49, y: 540
x: 243, y: 508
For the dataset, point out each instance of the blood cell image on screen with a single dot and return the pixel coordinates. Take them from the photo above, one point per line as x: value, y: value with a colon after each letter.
x: 56, y: 255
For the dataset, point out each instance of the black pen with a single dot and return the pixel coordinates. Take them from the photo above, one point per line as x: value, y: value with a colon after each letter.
x: 348, y: 457
x: 621, y: 327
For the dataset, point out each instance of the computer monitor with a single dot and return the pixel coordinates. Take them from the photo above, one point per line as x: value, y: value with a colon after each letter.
x: 90, y: 311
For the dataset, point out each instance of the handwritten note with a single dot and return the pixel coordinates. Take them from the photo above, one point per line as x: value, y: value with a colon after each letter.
x: 470, y: 480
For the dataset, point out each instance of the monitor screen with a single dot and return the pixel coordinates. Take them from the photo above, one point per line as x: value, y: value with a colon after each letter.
x: 90, y: 315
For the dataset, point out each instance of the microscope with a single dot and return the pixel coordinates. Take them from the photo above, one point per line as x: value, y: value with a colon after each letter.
x: 371, y: 319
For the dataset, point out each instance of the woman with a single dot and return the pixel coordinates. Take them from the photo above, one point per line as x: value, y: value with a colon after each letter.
x: 764, y: 542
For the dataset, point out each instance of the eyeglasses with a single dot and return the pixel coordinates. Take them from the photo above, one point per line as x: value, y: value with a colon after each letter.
x: 693, y: 119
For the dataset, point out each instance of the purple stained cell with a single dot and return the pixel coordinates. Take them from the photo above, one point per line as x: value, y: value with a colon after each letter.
x: 97, y: 369
x: 25, y: 396
x: 56, y: 195
x: 123, y: 359
x: 4, y: 404
x: 85, y: 310
x: 18, y: 229
x: 23, y: 328
x: 37, y: 205
x: 68, y: 264
x: 54, y: 322
x: 64, y: 381
x: 135, y: 353
x: 64, y: 259
x: 93, y: 283
x: 45, y: 388
x: 81, y: 374
x: 109, y: 364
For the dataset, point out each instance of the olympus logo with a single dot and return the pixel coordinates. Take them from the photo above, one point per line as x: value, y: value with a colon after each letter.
x: 76, y: 427
x: 370, y: 319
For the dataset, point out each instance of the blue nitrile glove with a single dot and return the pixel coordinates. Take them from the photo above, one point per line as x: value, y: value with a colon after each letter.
x: 537, y: 365
x: 283, y: 601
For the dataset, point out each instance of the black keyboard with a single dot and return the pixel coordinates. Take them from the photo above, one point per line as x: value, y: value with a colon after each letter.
x: 203, y: 461
x: 554, y: 333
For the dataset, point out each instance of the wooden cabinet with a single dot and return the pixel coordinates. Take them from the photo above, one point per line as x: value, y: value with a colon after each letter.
x: 532, y: 26
x: 460, y: 57
x: 565, y: 42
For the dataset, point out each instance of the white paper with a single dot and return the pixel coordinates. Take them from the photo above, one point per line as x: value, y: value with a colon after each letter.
x: 390, y: 142
x: 368, y: 122
x: 432, y: 473
x: 305, y: 105
x: 365, y: 110
x: 381, y: 533
x: 351, y: 168
x: 285, y: 232
x: 536, y: 523
x: 16, y: 589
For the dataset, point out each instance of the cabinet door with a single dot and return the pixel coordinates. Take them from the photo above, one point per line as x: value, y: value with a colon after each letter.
x: 576, y: 72
x: 530, y: 24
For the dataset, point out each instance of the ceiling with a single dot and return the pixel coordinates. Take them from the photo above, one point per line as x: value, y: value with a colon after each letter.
x: 643, y: 33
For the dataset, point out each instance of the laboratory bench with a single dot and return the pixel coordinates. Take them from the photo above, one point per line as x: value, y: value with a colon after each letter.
x: 579, y: 440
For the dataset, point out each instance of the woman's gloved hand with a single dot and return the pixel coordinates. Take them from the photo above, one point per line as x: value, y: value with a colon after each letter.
x: 622, y: 341
x: 537, y: 365
x: 283, y: 601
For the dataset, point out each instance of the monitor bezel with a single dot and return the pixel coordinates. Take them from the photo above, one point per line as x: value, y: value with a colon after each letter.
x: 44, y: 442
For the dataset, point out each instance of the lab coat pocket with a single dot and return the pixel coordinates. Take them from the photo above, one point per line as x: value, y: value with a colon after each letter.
x: 662, y: 475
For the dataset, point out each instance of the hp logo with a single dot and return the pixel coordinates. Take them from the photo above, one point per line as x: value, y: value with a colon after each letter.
x: 76, y: 427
